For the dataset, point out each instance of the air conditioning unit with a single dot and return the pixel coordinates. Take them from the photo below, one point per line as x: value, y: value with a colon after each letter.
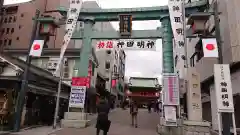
x: 52, y: 65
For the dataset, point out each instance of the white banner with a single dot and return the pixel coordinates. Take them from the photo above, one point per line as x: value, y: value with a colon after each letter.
x: 10, y: 2
x: 36, y: 49
x: 176, y: 18
x: 223, y: 87
x: 73, y: 13
x: 170, y: 89
x: 128, y: 44
x: 77, y: 96
x: 210, y: 48
x: 170, y: 114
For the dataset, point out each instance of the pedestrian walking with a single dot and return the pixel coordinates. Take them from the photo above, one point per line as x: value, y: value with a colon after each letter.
x: 103, y: 123
x: 134, y: 113
x: 157, y: 106
x: 149, y: 106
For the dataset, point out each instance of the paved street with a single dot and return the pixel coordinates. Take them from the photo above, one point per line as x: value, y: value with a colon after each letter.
x: 121, y: 125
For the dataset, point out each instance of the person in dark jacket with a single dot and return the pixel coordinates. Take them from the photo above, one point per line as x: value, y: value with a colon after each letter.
x: 134, y: 113
x: 103, y: 123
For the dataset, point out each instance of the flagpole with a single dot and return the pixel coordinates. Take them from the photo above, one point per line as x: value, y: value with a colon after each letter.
x: 22, y: 93
x: 58, y: 94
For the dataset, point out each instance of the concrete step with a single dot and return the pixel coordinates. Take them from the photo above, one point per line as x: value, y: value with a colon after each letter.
x: 74, y: 123
x: 75, y: 116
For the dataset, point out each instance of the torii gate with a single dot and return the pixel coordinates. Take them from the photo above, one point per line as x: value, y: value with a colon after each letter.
x: 161, y: 13
x: 90, y: 16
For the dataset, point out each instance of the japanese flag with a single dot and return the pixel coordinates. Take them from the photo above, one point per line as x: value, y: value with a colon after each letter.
x: 36, y: 49
x: 210, y: 48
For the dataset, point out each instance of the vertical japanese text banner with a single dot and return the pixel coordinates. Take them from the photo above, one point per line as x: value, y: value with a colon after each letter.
x: 223, y: 87
x: 176, y: 18
x: 170, y: 89
x: 72, y: 16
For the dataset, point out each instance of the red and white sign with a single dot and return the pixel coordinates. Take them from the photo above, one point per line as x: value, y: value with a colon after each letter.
x: 83, y: 81
x: 170, y: 89
x: 210, y: 48
x: 79, y: 81
x: 114, y: 83
x: 89, y: 74
x: 37, y: 47
x: 128, y: 44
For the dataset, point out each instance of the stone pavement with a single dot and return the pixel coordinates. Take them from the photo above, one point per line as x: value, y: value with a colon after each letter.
x: 43, y: 130
x: 121, y: 125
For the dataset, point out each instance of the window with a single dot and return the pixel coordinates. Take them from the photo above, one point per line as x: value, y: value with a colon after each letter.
x: 5, y: 20
x: 7, y: 32
x: 10, y: 19
x: 107, y: 65
x: 115, y: 69
x: 116, y: 55
x: 14, y: 19
x: 3, y: 31
x: 10, y: 42
x: 109, y: 51
x: 12, y: 30
x: 5, y: 42
x: 81, y: 24
x: 17, y: 38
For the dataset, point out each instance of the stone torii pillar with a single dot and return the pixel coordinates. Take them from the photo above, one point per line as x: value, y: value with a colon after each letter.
x: 167, y: 46
x: 76, y: 118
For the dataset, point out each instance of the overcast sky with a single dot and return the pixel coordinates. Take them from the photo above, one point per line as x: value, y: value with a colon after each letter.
x: 139, y: 63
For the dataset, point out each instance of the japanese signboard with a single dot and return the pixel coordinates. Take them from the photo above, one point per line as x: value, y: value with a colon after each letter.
x: 170, y: 89
x: 176, y: 18
x: 125, y: 25
x: 194, y: 95
x: 89, y: 74
x: 129, y: 44
x: 223, y: 87
x: 71, y: 22
x: 77, y: 96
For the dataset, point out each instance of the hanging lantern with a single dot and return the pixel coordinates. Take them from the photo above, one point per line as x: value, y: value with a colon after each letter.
x: 47, y: 29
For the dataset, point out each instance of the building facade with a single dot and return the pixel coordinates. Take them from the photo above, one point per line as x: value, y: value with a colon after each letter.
x: 16, y: 31
x: 112, y: 66
x: 229, y: 28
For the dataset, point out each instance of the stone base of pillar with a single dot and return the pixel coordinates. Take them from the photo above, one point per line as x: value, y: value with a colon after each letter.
x: 196, y: 127
x: 184, y: 127
x: 169, y: 130
x: 75, y: 120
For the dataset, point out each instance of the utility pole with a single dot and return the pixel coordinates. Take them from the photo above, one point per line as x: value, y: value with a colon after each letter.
x: 22, y: 93
x: 58, y: 94
x: 226, y: 117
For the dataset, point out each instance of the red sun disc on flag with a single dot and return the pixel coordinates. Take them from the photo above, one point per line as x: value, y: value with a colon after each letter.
x: 36, y: 47
x: 210, y: 47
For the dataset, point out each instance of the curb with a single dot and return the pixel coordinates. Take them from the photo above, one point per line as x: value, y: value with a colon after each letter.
x: 55, y: 130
